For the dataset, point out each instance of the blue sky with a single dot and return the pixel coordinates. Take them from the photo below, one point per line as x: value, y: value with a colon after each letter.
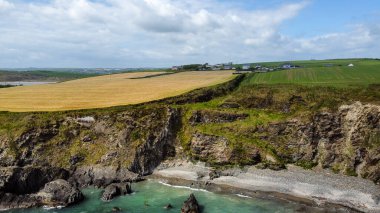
x: 323, y: 16
x: 162, y: 33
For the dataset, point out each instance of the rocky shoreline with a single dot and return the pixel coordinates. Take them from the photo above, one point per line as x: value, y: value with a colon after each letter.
x: 27, y: 187
x: 312, y: 189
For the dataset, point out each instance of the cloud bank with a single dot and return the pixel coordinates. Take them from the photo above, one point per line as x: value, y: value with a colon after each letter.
x: 141, y: 33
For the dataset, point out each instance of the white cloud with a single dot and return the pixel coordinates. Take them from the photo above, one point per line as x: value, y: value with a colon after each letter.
x: 5, y: 5
x: 155, y: 33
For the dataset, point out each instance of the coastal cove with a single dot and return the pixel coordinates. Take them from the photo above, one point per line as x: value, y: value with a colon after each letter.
x: 153, y: 196
x: 313, y: 189
x: 300, y: 148
x: 189, y: 106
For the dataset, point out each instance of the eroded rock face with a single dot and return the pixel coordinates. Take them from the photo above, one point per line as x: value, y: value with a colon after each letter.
x: 190, y: 205
x: 211, y: 148
x: 347, y: 141
x: 138, y: 139
x: 59, y: 193
x: 116, y: 189
x: 216, y: 150
x: 158, y: 145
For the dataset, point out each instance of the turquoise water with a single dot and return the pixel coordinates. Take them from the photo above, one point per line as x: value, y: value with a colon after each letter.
x: 151, y: 196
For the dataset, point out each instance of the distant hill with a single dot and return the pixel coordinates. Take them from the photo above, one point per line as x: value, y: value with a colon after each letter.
x: 41, y: 75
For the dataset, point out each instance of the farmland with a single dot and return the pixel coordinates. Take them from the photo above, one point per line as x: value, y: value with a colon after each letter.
x: 106, y: 91
x: 316, y: 73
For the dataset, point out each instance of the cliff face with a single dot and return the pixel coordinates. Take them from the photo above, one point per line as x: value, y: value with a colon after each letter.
x: 136, y: 139
x: 83, y: 149
x: 347, y: 141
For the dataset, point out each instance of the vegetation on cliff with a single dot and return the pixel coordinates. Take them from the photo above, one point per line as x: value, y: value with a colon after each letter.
x: 232, y: 124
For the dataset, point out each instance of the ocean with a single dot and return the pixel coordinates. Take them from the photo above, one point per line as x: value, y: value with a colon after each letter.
x: 153, y: 196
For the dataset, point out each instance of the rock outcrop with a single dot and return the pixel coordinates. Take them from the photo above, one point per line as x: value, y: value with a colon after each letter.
x: 56, y: 193
x: 190, y: 205
x: 102, y: 176
x: 211, y: 148
x: 27, y: 180
x: 13, y: 201
x: 217, y: 150
x: 59, y: 193
x: 346, y: 141
x: 116, y: 189
x: 19, y: 185
x: 158, y: 145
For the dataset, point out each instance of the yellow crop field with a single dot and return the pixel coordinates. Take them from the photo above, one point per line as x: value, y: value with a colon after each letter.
x: 106, y: 91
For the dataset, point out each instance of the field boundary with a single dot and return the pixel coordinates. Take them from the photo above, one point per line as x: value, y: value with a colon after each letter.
x: 152, y: 76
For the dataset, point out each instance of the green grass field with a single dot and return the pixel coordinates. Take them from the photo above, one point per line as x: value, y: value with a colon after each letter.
x: 364, y: 72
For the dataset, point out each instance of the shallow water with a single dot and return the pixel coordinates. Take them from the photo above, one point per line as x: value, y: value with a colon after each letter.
x: 151, y: 196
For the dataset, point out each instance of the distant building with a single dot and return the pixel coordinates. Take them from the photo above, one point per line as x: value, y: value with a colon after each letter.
x: 246, y: 66
x: 227, y: 67
x: 208, y: 67
x: 175, y: 68
x: 217, y: 67
x: 287, y: 66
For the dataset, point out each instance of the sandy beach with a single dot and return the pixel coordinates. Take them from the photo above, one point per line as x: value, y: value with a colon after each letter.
x: 320, y: 188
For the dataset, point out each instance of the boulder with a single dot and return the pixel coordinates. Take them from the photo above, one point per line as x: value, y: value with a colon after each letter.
x: 59, y: 193
x: 169, y: 206
x: 190, y: 205
x: 28, y: 180
x: 116, y: 209
x: 116, y: 189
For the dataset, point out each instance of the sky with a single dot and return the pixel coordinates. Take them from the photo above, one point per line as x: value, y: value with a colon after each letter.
x: 163, y: 33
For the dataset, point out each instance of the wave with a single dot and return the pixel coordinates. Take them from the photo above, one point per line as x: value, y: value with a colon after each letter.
x: 52, y: 207
x: 243, y: 196
x: 182, y: 187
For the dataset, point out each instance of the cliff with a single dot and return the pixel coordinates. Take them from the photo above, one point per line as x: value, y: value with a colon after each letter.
x: 224, y: 126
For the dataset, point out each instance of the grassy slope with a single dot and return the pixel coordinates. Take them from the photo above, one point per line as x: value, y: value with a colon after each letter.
x: 243, y: 134
x: 364, y: 72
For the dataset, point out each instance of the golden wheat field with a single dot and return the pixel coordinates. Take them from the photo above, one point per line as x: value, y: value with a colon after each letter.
x: 106, y: 91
